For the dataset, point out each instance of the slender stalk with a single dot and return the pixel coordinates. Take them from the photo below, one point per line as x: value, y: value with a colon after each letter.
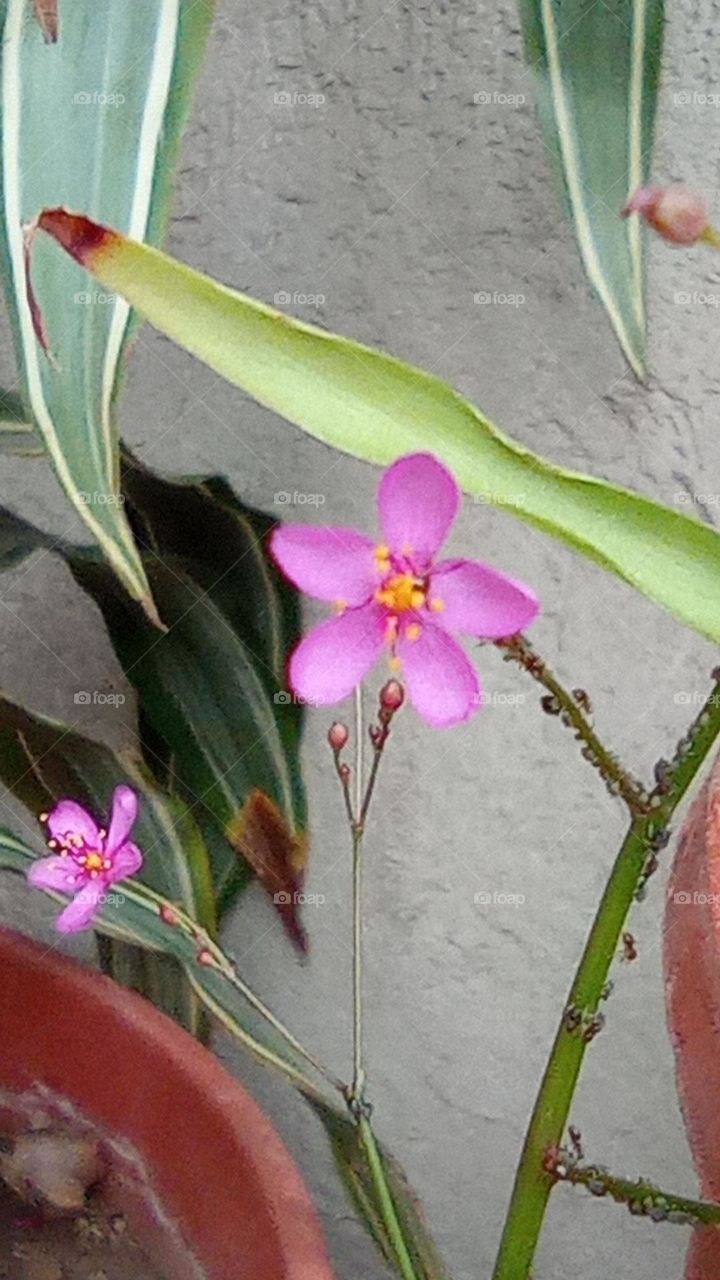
x: 569, y: 707
x: 534, y: 1181
x: 358, y: 1078
x: 642, y: 1198
x: 385, y: 1200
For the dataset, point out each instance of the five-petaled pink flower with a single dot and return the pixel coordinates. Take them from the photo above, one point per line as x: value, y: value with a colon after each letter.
x: 397, y: 597
x: 89, y: 858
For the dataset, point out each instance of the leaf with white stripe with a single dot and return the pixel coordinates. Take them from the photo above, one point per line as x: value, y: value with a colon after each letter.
x: 596, y: 69
x: 95, y: 115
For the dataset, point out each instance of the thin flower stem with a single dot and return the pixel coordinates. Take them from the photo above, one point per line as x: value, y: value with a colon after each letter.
x: 358, y: 1078
x: 642, y: 1198
x: 568, y: 706
x: 213, y: 955
x: 579, y: 1021
x: 385, y: 1200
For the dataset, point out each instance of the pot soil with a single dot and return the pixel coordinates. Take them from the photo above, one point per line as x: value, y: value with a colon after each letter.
x: 192, y: 1181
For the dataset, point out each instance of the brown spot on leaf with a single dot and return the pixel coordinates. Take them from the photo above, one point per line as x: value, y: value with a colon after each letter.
x: 276, y: 855
x: 46, y: 14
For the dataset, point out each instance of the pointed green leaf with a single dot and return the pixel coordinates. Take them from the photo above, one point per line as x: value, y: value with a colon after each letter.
x: 94, y: 115
x: 596, y: 71
x: 375, y: 407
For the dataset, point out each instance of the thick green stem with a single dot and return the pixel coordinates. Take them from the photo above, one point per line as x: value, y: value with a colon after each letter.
x: 534, y: 1181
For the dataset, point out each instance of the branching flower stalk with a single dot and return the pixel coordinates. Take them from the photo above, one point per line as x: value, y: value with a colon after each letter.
x: 579, y: 1021
x: 391, y: 699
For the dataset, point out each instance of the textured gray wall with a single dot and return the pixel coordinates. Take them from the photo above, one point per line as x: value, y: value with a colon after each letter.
x: 397, y: 197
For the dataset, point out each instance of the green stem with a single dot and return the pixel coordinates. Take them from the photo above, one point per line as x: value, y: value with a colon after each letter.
x: 534, y: 1181
x: 642, y: 1198
x: 358, y: 1078
x: 385, y: 1200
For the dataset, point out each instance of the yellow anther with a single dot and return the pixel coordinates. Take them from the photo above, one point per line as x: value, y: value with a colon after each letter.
x: 93, y: 862
x: 437, y: 605
x: 44, y: 817
x: 340, y: 606
x: 401, y: 593
x: 395, y: 663
x: 382, y: 559
x: 414, y: 631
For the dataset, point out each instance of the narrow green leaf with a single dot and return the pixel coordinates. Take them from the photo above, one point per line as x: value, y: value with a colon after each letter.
x: 17, y: 435
x: 95, y: 115
x: 375, y: 407
x: 603, y: 145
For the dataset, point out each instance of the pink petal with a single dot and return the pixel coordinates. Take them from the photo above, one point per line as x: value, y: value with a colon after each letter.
x: 327, y: 563
x: 441, y: 680
x: 60, y: 874
x: 83, y: 908
x: 481, y: 601
x: 333, y: 658
x: 125, y: 861
x: 70, y: 818
x: 122, y: 817
x: 418, y: 500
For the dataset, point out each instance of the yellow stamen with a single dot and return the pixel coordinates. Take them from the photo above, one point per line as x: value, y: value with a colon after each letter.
x: 340, y: 606
x: 437, y: 605
x: 44, y: 817
x: 52, y: 844
x: 395, y: 663
x: 382, y: 559
x: 401, y: 593
x: 414, y: 631
x: 93, y: 862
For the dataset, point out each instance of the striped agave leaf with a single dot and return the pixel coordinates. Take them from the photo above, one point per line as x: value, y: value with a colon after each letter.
x: 94, y: 96
x: 596, y: 71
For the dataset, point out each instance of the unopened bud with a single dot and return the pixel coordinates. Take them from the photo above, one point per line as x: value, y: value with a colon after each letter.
x: 337, y: 736
x: 344, y: 773
x: 392, y: 696
x: 167, y: 915
x: 675, y: 212
x: 205, y: 957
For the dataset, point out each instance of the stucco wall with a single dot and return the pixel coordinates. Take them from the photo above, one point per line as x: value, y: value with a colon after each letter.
x: 389, y: 190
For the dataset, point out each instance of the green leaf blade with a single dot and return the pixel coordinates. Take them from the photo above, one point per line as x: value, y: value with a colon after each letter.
x: 596, y: 71
x: 375, y: 407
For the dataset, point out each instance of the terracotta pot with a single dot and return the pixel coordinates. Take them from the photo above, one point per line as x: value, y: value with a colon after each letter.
x: 216, y: 1165
x: 692, y: 975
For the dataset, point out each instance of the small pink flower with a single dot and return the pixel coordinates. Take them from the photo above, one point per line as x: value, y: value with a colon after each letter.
x: 89, y: 858
x: 397, y: 597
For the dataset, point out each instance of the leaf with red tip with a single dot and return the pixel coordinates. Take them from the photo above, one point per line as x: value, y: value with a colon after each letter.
x: 276, y: 855
x: 377, y: 408
x: 46, y: 14
x: 692, y: 977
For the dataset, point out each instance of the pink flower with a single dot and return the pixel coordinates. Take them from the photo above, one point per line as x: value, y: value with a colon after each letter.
x: 90, y: 858
x: 397, y: 597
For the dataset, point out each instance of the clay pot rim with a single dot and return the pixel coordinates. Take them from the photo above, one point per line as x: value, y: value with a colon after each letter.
x: 290, y: 1210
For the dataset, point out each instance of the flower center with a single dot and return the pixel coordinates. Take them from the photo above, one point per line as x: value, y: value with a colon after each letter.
x: 402, y: 592
x: 93, y: 861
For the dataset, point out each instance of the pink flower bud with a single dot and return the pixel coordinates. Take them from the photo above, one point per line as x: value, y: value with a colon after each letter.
x: 167, y: 915
x: 676, y: 213
x: 337, y: 736
x: 206, y: 957
x: 392, y: 696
